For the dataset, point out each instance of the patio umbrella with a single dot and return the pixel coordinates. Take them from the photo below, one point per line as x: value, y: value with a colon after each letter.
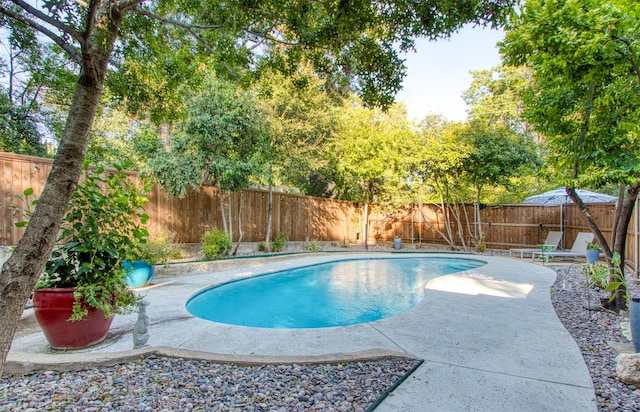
x: 559, y: 197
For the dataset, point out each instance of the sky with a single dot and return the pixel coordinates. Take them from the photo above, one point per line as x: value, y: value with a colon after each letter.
x: 438, y: 73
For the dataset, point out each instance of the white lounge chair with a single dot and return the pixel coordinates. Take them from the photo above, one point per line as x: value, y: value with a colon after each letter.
x: 579, y: 248
x: 550, y: 244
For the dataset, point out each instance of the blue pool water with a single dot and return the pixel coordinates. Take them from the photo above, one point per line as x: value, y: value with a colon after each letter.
x: 338, y: 293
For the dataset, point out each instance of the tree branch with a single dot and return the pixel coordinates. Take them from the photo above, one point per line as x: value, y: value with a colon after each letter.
x: 128, y: 4
x: 633, y: 63
x: 192, y: 27
x: 90, y: 20
x: 591, y: 222
x: 70, y: 49
x: 47, y: 19
x: 585, y: 125
x: 172, y: 22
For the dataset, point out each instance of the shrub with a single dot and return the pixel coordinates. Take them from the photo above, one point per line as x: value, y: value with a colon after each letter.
x: 313, y: 246
x: 215, y: 244
x: 160, y: 249
x: 278, y: 243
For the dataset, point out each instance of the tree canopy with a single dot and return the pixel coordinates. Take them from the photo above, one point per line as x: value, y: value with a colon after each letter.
x: 584, y: 97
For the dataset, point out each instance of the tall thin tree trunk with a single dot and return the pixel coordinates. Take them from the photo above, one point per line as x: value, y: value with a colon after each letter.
x: 366, y: 225
x: 267, y: 240
x: 438, y: 231
x: 477, y: 215
x: 455, y: 211
x: 235, y: 250
x: 229, y: 211
x: 222, y: 210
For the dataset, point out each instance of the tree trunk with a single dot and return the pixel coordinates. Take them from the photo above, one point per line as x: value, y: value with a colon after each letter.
x: 235, y: 250
x: 480, y: 235
x: 267, y: 239
x: 222, y: 212
x: 619, y: 237
x: 437, y: 230
x: 229, y: 211
x: 20, y: 273
x: 366, y: 225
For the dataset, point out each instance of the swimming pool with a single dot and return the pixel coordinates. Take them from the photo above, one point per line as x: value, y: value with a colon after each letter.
x: 339, y: 293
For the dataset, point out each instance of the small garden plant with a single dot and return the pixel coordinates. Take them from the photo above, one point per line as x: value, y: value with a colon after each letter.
x: 277, y: 244
x: 215, y: 244
x: 313, y: 246
x: 597, y: 275
x: 160, y: 249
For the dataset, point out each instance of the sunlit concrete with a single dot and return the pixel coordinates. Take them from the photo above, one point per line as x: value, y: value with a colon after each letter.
x: 489, y: 337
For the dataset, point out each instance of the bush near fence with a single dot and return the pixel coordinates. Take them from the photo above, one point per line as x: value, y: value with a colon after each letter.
x: 305, y: 218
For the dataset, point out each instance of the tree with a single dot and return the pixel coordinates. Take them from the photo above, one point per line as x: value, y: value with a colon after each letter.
x: 34, y: 76
x: 585, y: 99
x: 437, y: 167
x: 352, y: 41
x: 301, y: 117
x: 494, y: 98
x: 222, y: 143
x: 369, y: 149
x: 299, y: 111
x: 495, y: 156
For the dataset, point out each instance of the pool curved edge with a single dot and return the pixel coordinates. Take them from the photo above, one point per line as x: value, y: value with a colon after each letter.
x: 356, y: 300
x: 497, y: 273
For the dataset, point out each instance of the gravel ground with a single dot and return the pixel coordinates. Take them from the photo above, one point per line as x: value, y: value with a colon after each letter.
x: 592, y: 330
x: 163, y: 384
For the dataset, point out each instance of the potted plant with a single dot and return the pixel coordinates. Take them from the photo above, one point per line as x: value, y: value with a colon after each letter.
x: 592, y: 252
x: 156, y: 250
x: 83, y: 285
x: 397, y: 242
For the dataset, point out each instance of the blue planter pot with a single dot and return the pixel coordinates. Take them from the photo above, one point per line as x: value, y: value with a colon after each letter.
x: 592, y: 255
x: 140, y: 273
x: 634, y: 320
x: 397, y: 243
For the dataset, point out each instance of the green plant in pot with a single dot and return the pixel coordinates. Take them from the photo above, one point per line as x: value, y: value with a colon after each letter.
x: 83, y: 285
x: 592, y: 253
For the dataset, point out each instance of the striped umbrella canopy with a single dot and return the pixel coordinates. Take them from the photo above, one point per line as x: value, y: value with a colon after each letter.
x: 559, y: 196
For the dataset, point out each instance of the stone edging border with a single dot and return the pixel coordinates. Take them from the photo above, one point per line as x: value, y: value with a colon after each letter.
x: 20, y: 363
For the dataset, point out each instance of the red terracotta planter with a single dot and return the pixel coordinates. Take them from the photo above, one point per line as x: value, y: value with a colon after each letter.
x: 53, y: 307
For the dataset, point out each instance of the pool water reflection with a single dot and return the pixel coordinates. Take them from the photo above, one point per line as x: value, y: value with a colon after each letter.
x: 338, y: 293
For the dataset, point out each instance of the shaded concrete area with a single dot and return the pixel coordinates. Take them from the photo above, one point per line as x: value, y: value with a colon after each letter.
x: 489, y: 338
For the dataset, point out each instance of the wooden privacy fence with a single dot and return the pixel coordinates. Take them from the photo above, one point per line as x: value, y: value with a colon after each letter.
x: 303, y: 218
x: 299, y: 217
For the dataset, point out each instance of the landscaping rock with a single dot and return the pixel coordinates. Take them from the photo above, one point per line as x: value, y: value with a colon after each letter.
x: 628, y: 368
